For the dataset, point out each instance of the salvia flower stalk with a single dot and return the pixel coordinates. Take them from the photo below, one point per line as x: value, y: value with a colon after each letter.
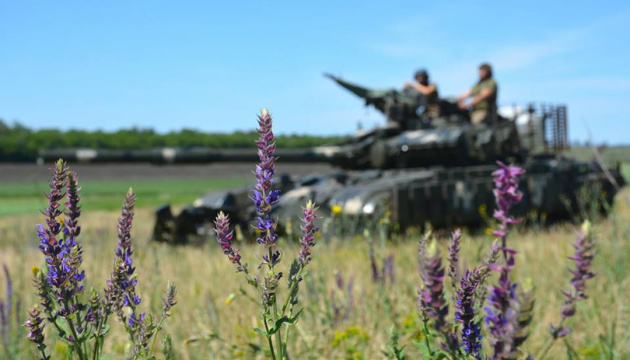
x: 225, y: 237
x: 35, y: 325
x: 263, y: 195
x: 431, y: 297
x: 507, y: 305
x: 466, y: 311
x: 453, y: 256
x: 80, y: 319
x: 275, y: 314
x: 584, y: 253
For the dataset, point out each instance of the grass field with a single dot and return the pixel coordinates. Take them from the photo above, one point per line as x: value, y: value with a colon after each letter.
x: 216, y: 312
x: 27, y: 198
x: 206, y: 325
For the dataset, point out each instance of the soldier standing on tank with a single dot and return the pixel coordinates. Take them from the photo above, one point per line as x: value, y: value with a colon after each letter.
x: 483, y: 95
x: 429, y: 90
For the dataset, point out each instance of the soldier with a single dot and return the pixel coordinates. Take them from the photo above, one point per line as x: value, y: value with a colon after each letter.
x: 429, y: 90
x: 483, y: 105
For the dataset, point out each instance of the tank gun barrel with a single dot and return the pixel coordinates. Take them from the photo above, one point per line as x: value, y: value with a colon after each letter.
x: 358, y: 90
x: 382, y: 99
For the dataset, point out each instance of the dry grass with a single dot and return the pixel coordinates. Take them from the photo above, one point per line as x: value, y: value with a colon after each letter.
x: 204, y: 326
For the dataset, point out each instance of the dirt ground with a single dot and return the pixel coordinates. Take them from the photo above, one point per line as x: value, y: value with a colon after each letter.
x: 35, y: 173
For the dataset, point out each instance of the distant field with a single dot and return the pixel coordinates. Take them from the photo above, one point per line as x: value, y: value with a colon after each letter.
x: 104, y: 186
x: 610, y: 154
x: 22, y: 186
x: 27, y: 198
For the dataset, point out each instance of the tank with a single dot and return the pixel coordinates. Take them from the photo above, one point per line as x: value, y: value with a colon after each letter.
x: 413, y: 171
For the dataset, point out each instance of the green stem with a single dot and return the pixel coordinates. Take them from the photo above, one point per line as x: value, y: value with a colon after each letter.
x: 76, y: 339
x: 426, y: 336
x: 157, y: 330
x: 98, y: 342
x: 549, y: 344
x: 273, y: 354
x: 546, y: 348
x: 76, y: 345
x: 286, y: 330
x: 291, y: 289
x: 43, y: 354
x: 278, y: 334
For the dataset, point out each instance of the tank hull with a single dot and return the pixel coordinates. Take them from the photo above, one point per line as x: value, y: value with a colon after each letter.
x: 441, y: 197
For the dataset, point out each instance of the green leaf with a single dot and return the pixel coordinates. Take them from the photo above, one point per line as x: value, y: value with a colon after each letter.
x: 262, y: 332
x: 283, y: 320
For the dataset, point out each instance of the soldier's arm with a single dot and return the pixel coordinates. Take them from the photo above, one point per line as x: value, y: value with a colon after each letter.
x: 464, y: 96
x: 424, y: 90
x: 483, y: 95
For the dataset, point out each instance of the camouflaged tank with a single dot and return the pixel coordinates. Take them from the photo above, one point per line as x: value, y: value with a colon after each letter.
x: 413, y: 171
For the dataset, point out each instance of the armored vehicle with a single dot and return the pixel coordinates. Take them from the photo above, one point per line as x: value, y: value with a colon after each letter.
x: 414, y: 170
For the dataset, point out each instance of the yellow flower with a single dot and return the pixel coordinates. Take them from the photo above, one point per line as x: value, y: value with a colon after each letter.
x: 35, y: 270
x: 488, y: 231
x: 336, y: 209
x: 230, y: 298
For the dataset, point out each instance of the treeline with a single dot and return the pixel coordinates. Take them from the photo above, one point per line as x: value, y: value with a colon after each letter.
x: 20, y: 143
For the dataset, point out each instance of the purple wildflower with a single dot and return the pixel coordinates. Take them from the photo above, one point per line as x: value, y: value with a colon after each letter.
x: 263, y: 195
x: 510, y: 311
x: 506, y: 195
x: 44, y: 292
x: 224, y: 238
x: 58, y: 242
x: 308, y: 233
x: 453, y: 255
x: 373, y: 265
x: 350, y: 290
x: 121, y: 288
x: 35, y: 334
x: 583, y: 257
x: 339, y: 279
x: 388, y: 269
x: 432, y: 302
x: 169, y: 300
x: 465, y: 313
x: 73, y: 210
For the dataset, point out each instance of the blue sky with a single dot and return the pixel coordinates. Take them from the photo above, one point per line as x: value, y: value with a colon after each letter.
x: 213, y: 65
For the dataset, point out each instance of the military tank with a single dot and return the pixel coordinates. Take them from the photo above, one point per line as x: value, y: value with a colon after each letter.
x: 414, y: 170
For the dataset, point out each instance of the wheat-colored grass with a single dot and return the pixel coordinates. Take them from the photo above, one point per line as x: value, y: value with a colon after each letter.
x: 205, y: 326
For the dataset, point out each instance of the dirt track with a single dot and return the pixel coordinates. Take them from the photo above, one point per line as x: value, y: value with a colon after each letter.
x: 34, y: 173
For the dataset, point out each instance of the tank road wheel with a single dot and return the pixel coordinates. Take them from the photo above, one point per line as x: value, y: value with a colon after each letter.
x: 163, y: 229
